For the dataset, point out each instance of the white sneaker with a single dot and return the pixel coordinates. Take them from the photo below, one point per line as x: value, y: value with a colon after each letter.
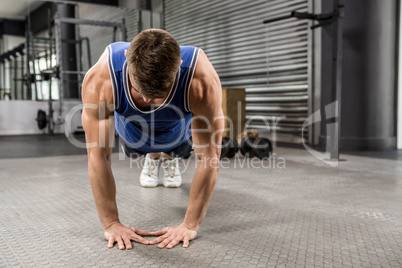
x: 171, y: 173
x: 149, y: 173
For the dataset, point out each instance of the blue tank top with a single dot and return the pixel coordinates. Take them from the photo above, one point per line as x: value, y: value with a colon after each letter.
x: 162, y: 128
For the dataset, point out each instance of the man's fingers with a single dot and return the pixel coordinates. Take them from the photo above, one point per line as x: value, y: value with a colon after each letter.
x: 165, y: 242
x: 139, y: 239
x: 110, y: 242
x: 186, y: 242
x: 160, y: 232
x: 157, y: 240
x: 120, y: 243
x: 141, y: 232
x: 173, y: 243
x: 168, y: 237
x: 127, y: 242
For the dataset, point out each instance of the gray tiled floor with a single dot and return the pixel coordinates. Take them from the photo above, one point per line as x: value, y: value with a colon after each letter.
x: 305, y: 215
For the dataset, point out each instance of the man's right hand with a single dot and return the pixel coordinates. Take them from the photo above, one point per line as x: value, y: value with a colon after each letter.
x: 117, y: 232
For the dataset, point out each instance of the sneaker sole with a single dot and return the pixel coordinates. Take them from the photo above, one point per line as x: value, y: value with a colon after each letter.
x: 149, y: 185
x: 172, y: 185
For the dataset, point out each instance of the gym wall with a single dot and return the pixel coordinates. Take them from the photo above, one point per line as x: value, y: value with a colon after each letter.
x: 271, y: 61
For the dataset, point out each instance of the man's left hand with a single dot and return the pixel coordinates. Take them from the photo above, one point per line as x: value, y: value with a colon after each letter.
x: 171, y: 236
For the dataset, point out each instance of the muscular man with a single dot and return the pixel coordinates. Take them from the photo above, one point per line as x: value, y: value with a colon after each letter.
x: 156, y: 95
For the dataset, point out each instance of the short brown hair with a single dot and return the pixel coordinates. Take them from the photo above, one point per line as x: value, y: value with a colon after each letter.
x: 153, y: 59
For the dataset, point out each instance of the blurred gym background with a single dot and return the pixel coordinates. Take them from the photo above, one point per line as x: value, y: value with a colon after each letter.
x: 285, y: 67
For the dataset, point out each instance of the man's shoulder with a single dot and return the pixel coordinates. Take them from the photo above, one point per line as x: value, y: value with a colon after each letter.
x: 119, y: 46
x: 189, y: 56
x: 205, y: 85
x: 96, y: 85
x: 116, y: 55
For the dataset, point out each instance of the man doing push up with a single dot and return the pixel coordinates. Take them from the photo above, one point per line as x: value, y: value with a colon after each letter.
x: 158, y: 97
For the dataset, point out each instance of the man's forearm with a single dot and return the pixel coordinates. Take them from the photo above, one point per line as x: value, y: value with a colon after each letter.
x: 104, y: 190
x: 200, y: 194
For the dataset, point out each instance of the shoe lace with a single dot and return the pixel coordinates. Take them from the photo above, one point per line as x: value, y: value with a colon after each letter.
x: 170, y: 167
x: 152, y: 168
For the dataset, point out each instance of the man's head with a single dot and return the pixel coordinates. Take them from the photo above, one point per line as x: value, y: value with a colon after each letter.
x: 153, y: 60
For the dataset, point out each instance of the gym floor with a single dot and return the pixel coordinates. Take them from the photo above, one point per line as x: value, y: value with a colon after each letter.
x: 292, y: 212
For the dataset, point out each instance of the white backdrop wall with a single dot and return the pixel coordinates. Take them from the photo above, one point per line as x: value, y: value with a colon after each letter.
x: 18, y: 117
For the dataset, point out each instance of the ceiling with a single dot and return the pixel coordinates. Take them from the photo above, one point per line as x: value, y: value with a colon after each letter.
x: 13, y: 13
x: 17, y: 9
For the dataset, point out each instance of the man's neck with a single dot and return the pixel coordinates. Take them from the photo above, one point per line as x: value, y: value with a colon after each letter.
x: 141, y: 104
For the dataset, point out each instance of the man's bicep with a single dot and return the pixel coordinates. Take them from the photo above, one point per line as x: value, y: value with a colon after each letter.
x: 99, y: 132
x: 98, y: 123
x: 97, y: 118
x: 207, y: 131
x: 90, y: 123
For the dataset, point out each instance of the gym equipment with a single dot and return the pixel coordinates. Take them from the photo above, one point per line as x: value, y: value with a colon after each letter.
x: 44, y: 49
x: 246, y: 146
x: 41, y: 119
x: 336, y: 18
x: 58, y: 24
x: 229, y: 147
x: 256, y: 147
x: 262, y: 148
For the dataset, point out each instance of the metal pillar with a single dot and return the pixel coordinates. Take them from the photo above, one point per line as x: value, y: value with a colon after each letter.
x: 334, y: 135
x: 59, y: 57
x: 50, y: 101
x: 69, y: 52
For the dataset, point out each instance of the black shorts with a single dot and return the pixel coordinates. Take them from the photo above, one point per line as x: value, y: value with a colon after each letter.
x: 182, y: 151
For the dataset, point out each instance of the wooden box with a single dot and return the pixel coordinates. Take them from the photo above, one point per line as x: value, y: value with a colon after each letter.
x: 234, y: 108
